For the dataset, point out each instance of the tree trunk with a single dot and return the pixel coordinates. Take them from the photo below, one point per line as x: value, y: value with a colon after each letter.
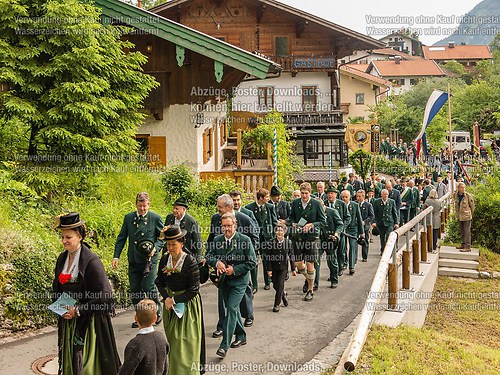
x: 32, y: 149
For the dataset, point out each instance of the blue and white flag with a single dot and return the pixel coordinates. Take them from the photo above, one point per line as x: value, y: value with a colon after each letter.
x: 437, y: 99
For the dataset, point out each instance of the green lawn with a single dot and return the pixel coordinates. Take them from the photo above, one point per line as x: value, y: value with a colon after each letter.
x: 461, y: 334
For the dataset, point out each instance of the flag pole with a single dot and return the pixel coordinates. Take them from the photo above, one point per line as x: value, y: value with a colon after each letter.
x: 330, y: 167
x: 275, y: 157
x: 452, y: 166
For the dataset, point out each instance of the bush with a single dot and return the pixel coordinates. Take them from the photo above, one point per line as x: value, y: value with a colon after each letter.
x: 205, y: 193
x: 29, y: 245
x: 176, y: 181
x: 33, y: 269
x: 485, y: 230
x: 452, y: 230
x: 355, y: 159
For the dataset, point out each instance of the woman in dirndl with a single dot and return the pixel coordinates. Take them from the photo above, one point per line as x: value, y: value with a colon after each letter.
x: 86, y: 339
x: 178, y: 282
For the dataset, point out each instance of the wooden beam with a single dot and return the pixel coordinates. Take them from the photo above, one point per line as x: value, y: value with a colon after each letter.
x: 300, y: 27
x: 260, y: 12
x: 178, y: 11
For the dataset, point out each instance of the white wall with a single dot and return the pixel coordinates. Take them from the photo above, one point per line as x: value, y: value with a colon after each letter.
x: 288, y: 93
x: 184, y: 141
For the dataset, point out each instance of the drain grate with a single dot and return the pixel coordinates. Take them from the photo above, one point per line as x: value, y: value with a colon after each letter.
x: 43, y: 366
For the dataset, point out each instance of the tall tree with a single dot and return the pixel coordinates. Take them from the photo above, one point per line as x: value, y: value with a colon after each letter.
x: 73, y: 84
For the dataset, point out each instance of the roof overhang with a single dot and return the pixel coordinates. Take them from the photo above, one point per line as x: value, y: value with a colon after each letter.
x: 185, y: 37
x: 366, y: 41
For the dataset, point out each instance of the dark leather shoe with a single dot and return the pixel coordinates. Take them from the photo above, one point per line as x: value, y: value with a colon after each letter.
x: 334, y: 285
x: 218, y: 333
x: 238, y: 343
x: 284, y: 298
x: 315, y: 288
x: 351, y: 272
x: 328, y: 279
x: 221, y: 352
x: 158, y: 320
x: 248, y: 322
x: 276, y: 309
x: 340, y: 273
x: 305, y: 287
x: 254, y: 290
x: 309, y: 296
x: 364, y: 260
x: 135, y: 325
x: 267, y: 287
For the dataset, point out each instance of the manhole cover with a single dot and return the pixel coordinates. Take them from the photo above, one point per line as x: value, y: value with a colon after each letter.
x: 46, y: 365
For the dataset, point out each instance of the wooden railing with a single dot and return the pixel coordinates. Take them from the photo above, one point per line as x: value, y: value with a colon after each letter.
x: 388, y: 269
x: 248, y: 181
x: 312, y: 119
x: 305, y: 63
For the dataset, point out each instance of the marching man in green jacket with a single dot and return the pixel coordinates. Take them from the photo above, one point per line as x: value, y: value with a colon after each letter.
x: 142, y: 230
x: 386, y: 217
x: 353, y: 230
x: 307, y: 218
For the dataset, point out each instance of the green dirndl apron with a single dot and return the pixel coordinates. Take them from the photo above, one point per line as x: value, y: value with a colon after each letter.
x: 90, y: 358
x: 184, y: 336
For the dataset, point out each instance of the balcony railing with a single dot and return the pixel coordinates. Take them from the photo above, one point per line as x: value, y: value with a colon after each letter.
x: 313, y: 119
x: 305, y: 63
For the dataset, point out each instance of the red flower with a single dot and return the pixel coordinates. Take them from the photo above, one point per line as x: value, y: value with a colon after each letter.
x: 64, y: 278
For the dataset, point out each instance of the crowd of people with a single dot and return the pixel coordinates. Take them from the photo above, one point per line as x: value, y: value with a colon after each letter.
x: 166, y: 265
x: 399, y: 150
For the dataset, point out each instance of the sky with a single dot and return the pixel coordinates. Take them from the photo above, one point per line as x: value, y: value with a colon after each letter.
x: 433, y: 19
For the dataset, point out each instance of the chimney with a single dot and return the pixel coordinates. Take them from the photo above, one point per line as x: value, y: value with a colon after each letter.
x: 139, y: 4
x: 397, y: 59
x: 451, y: 45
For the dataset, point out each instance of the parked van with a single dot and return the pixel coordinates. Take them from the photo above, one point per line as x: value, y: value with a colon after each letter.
x: 460, y: 139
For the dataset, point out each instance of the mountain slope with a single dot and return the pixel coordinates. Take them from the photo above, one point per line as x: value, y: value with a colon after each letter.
x: 479, y: 26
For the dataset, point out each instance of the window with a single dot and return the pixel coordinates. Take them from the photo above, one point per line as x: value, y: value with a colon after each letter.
x: 309, y: 98
x: 311, y: 148
x: 153, y: 148
x: 316, y: 152
x: 413, y: 81
x: 223, y: 132
x: 208, y: 135
x: 281, y: 46
x: 266, y: 98
x: 360, y: 98
x: 398, y: 82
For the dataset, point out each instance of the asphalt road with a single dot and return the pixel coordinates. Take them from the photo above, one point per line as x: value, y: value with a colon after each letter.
x: 278, y: 343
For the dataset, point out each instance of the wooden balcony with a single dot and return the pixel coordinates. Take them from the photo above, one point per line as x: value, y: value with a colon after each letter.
x: 313, y: 119
x: 305, y: 63
x: 249, y: 181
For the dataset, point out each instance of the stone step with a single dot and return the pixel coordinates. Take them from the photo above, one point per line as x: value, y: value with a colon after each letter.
x: 458, y: 272
x: 459, y: 263
x: 449, y: 252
